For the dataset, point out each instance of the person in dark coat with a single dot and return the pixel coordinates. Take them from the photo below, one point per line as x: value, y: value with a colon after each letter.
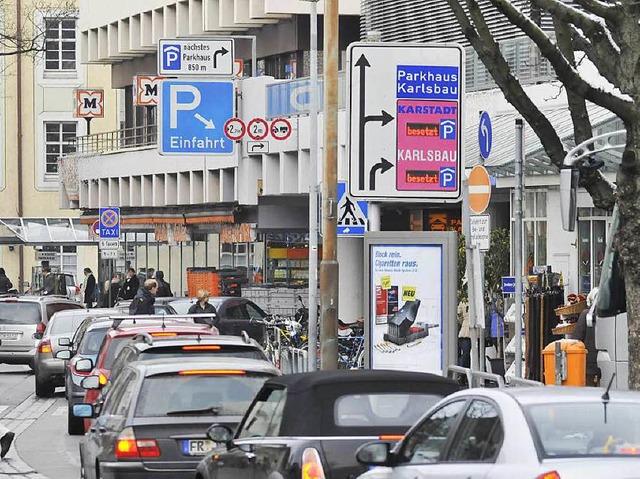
x: 203, y: 306
x: 48, y: 282
x: 89, y: 287
x: 130, y: 286
x: 5, y: 283
x: 111, y: 290
x: 164, y: 289
x: 143, y: 302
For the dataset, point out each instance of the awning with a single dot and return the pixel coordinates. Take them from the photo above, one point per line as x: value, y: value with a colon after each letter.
x: 42, y: 231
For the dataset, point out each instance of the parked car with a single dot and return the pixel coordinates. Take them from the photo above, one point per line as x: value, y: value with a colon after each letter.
x: 23, y: 320
x: 234, y: 315
x: 155, y: 417
x: 316, y: 421
x: 58, y: 335
x: 543, y: 433
x: 117, y: 337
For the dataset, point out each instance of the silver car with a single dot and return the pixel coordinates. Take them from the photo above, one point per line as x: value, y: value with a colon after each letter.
x: 545, y: 432
x: 23, y: 320
x: 49, y: 371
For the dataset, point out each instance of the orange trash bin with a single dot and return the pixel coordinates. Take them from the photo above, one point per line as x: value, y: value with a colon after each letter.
x: 576, y: 358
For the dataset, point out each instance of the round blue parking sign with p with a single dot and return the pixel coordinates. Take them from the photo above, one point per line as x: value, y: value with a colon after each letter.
x: 485, y: 135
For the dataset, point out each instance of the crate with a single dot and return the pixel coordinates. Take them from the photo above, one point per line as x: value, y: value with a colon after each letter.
x: 203, y: 278
x: 570, y: 309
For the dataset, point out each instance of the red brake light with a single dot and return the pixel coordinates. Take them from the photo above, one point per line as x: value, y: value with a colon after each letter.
x: 163, y: 335
x: 78, y: 289
x: 391, y: 437
x: 128, y: 447
x: 40, y: 328
x: 212, y: 372
x: 549, y: 475
x: 201, y: 348
x: 44, y: 347
x: 311, y: 464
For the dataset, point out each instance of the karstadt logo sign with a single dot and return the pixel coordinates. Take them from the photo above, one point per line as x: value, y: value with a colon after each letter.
x: 172, y: 57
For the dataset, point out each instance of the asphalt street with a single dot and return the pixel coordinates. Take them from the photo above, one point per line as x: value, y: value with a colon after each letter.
x: 42, y: 449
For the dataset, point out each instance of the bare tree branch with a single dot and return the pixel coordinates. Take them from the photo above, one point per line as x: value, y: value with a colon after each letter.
x: 565, y: 71
x: 489, y: 52
x: 609, y: 11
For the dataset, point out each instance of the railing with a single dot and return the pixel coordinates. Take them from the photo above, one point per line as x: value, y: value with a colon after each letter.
x: 117, y: 140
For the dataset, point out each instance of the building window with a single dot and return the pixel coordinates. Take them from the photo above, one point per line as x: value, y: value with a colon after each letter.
x: 534, y: 229
x: 59, y: 136
x: 60, y: 44
x: 593, y: 226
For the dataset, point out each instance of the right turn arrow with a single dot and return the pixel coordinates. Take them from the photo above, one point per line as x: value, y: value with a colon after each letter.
x: 383, y: 166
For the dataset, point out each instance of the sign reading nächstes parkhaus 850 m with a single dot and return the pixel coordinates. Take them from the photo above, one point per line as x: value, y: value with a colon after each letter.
x: 405, y: 115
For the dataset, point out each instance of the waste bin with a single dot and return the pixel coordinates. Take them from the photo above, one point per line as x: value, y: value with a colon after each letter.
x: 575, y: 354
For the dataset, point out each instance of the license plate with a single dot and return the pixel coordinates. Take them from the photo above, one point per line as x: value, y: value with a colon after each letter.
x: 9, y: 336
x: 197, y: 447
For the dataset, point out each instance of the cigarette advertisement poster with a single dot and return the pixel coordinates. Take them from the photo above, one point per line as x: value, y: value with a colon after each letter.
x: 406, y: 310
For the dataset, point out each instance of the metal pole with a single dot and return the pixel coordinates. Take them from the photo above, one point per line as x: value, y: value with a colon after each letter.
x: 518, y: 244
x: 374, y: 214
x: 466, y: 231
x: 313, y: 193
x: 254, y: 57
x: 329, y: 264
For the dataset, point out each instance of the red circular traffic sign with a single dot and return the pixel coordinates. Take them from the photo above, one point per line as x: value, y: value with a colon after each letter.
x: 258, y: 129
x: 281, y: 128
x: 234, y: 129
x: 95, y: 228
x: 479, y: 189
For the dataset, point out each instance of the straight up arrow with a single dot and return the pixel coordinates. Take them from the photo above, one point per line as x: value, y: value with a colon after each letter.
x: 362, y: 63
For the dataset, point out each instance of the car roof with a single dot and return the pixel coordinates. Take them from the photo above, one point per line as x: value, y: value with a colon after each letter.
x: 222, y: 340
x: 87, y: 312
x: 151, y: 367
x: 528, y: 396
x: 38, y: 299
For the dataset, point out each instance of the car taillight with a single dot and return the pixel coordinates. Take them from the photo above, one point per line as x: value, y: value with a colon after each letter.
x: 391, y: 437
x: 40, y: 328
x: 44, y: 347
x: 78, y: 289
x: 201, y: 348
x: 212, y: 372
x: 164, y: 335
x: 311, y: 464
x: 128, y: 447
x: 549, y: 475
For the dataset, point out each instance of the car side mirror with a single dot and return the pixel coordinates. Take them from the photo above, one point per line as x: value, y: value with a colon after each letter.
x: 64, y: 354
x: 64, y: 342
x: 84, y: 365
x: 83, y: 410
x: 374, y: 454
x: 91, y: 382
x: 221, y: 434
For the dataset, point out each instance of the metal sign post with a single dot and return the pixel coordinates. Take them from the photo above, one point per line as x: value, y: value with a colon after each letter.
x: 518, y: 244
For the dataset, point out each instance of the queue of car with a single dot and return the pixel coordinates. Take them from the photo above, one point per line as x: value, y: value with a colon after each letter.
x: 169, y: 396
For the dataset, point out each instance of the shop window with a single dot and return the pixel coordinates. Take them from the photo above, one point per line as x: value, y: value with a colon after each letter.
x: 593, y: 225
x: 288, y: 259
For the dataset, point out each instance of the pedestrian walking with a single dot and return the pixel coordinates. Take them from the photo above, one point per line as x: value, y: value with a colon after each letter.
x: 89, y: 287
x: 5, y: 283
x: 48, y: 282
x: 464, y: 335
x: 130, y: 286
x: 164, y: 288
x: 111, y: 291
x: 143, y: 302
x: 203, y: 306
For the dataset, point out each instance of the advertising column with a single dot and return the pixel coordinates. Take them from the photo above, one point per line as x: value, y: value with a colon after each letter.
x: 411, y: 322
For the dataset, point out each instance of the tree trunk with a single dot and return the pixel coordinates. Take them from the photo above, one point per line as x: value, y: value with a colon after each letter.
x: 629, y: 245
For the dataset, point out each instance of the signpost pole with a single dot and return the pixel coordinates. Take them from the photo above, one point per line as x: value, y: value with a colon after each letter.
x: 313, y: 194
x: 329, y: 264
x: 466, y: 231
x: 518, y: 244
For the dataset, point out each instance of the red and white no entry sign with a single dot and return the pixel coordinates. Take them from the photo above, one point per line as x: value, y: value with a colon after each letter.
x: 235, y: 129
x: 479, y: 189
x: 95, y: 228
x: 258, y: 129
x: 281, y: 128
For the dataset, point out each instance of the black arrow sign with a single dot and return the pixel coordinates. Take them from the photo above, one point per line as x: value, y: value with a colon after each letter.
x: 383, y: 118
x: 222, y: 52
x: 383, y: 166
x: 258, y: 146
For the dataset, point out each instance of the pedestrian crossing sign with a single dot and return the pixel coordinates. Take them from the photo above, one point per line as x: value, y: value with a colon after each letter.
x: 352, y: 214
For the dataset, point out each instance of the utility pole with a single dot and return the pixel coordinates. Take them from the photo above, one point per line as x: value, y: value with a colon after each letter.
x: 518, y: 243
x: 312, y: 358
x: 329, y: 264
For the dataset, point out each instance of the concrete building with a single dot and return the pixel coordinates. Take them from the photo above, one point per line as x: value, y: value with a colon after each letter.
x: 37, y: 126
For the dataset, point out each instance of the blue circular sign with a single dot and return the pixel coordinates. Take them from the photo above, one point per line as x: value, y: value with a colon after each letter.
x: 485, y: 135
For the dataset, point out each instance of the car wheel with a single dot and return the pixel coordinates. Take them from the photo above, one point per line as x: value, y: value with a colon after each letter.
x: 75, y: 425
x: 44, y: 389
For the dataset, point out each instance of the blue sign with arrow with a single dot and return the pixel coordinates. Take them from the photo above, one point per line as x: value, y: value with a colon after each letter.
x: 485, y: 135
x: 352, y: 214
x: 192, y: 117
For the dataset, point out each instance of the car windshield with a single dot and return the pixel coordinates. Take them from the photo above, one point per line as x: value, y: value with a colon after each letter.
x: 65, y: 324
x: 92, y: 341
x: 382, y: 409
x: 586, y: 429
x: 19, y: 313
x: 204, y: 350
x: 205, y: 395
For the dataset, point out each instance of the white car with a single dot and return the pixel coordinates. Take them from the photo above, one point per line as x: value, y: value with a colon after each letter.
x: 528, y: 433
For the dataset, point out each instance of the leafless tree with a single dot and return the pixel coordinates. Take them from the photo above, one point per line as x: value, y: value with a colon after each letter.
x: 607, y: 33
